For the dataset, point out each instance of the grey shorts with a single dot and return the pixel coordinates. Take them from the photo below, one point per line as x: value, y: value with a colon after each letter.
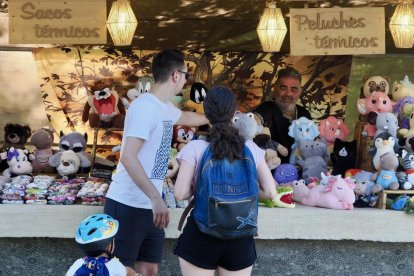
x: 137, y: 239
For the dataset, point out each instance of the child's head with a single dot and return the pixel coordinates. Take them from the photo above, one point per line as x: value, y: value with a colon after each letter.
x: 95, y: 234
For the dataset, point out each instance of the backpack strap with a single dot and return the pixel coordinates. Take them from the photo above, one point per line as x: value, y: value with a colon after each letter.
x: 206, y: 155
x: 185, y: 213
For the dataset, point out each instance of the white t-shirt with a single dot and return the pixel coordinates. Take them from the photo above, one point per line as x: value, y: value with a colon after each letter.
x: 152, y: 120
x: 114, y: 266
x: 193, y: 151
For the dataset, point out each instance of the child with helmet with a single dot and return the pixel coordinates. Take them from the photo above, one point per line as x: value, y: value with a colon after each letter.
x: 95, y: 236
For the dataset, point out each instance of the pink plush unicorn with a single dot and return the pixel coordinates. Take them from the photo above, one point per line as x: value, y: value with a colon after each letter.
x: 338, y: 194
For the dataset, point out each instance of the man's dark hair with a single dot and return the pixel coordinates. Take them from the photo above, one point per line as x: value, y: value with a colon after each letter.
x: 289, y: 72
x: 165, y: 63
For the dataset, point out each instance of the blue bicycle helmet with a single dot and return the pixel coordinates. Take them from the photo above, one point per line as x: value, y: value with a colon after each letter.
x: 96, y: 232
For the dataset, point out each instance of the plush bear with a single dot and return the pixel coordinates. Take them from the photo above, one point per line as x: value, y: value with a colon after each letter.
x: 103, y: 108
x: 42, y: 139
x: 16, y: 136
x: 143, y: 86
x: 343, y: 156
x: 386, y: 177
x: 181, y: 136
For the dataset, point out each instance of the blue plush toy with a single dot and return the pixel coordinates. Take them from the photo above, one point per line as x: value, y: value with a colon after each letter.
x: 301, y: 129
x: 285, y: 174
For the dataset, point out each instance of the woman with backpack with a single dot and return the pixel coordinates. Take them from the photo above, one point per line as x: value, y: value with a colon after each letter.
x: 226, y: 175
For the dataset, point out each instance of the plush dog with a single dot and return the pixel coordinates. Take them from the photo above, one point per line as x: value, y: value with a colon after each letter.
x: 75, y: 142
x: 103, y: 108
x: 69, y: 163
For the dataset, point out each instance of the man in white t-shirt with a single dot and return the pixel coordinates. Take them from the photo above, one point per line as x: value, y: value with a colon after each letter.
x: 134, y: 196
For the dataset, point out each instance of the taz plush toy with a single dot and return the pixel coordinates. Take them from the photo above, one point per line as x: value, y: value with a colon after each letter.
x: 181, y: 136
x: 103, y: 108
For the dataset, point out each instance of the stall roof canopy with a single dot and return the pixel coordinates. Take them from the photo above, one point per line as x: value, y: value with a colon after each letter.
x: 224, y: 25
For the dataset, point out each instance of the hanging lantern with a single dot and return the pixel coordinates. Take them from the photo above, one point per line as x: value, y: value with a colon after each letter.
x: 272, y: 28
x: 402, y: 25
x: 121, y: 23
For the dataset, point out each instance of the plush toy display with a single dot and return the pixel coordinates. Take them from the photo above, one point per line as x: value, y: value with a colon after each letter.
x: 18, y: 162
x: 377, y: 102
x: 301, y: 129
x: 406, y: 132
x: 363, y: 190
x: 374, y: 83
x: 198, y: 92
x: 283, y: 199
x: 338, y: 194
x: 285, y: 174
x: 387, y: 122
x: 383, y: 144
x: 343, y: 156
x: 143, y: 86
x: 332, y: 128
x: 15, y: 135
x: 103, y: 108
x: 402, y: 88
x: 76, y: 142
x: 181, y: 136
x: 271, y: 147
x: 408, y: 165
x: 313, y: 159
x: 404, y: 108
x: 42, y: 139
x: 69, y: 163
x: 386, y: 177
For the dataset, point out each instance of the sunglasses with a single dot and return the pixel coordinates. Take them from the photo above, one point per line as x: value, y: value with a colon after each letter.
x: 187, y: 75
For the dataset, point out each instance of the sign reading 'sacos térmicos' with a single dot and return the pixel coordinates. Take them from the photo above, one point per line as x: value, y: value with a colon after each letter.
x: 57, y: 22
x: 337, y: 31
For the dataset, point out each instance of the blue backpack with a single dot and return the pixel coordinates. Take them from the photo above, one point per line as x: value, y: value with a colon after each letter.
x: 226, y: 196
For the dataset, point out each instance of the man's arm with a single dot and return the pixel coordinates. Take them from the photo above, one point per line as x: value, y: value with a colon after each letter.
x: 189, y: 118
x: 135, y: 170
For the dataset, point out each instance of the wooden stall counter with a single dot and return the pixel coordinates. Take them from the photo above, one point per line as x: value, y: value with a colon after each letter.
x: 302, y: 222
